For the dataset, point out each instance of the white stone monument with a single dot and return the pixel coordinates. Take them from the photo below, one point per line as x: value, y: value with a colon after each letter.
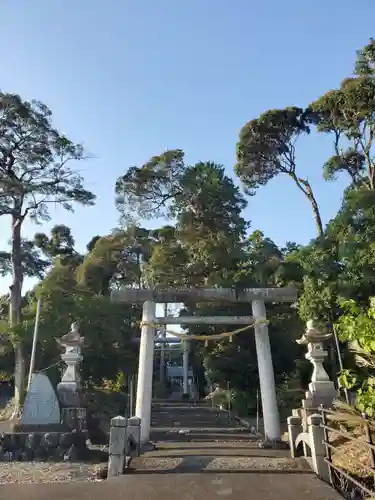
x: 41, y: 405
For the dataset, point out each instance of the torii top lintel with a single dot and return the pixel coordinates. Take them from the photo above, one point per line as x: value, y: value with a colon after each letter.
x: 178, y: 295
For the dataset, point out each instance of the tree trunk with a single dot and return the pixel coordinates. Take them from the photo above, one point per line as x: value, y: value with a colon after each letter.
x: 15, y: 312
x: 306, y: 189
x: 318, y: 219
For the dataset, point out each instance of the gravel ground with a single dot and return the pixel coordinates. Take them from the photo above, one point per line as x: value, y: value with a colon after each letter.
x: 47, y: 472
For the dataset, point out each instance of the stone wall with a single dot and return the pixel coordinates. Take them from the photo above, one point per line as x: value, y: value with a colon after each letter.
x: 40, y: 446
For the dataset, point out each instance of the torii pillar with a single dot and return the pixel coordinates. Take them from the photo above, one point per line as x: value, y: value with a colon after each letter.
x: 146, y: 369
x: 185, y: 366
x: 270, y: 411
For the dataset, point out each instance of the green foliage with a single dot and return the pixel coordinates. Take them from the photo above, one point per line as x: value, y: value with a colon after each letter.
x: 33, y: 264
x: 357, y: 327
x: 347, y: 114
x: 107, y: 327
x: 289, y: 392
x: 35, y: 161
x: 245, y: 403
x: 266, y: 148
x: 315, y: 303
x: 35, y: 171
x: 149, y: 190
x: 107, y: 403
x: 60, y: 244
x: 348, y: 379
x: 365, y: 64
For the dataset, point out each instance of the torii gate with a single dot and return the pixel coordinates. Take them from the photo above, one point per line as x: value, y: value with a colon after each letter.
x: 257, y: 296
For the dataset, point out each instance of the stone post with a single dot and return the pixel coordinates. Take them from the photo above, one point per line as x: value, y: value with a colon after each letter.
x: 270, y: 411
x: 117, y: 440
x: 318, y: 451
x: 185, y: 364
x: 134, y: 432
x: 145, y: 370
x: 294, y: 429
x: 162, y: 348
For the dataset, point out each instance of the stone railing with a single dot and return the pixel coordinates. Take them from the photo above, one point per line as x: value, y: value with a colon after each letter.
x: 313, y: 438
x: 124, y: 443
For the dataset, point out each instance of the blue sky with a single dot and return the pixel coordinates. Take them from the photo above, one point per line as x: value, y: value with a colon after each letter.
x: 130, y: 79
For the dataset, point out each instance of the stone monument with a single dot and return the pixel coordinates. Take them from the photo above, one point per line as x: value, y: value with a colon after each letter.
x: 321, y: 389
x: 41, y: 407
x: 69, y: 390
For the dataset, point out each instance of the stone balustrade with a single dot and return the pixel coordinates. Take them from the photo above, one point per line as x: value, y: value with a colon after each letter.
x: 313, y: 439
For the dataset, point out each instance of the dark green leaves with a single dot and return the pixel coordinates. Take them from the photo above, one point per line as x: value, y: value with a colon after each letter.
x: 348, y: 114
x: 35, y: 161
x: 148, y: 190
x: 266, y: 146
x: 365, y: 64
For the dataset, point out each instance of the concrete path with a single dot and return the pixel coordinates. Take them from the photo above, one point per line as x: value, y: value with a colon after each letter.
x: 198, y: 454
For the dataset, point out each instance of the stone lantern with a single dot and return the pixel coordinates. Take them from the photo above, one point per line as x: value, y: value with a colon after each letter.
x: 321, y: 389
x: 69, y: 390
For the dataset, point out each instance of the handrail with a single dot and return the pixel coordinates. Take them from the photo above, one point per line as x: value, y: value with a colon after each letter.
x: 365, y: 439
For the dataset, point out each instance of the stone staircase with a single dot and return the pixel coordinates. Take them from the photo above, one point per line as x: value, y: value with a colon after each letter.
x: 195, y: 438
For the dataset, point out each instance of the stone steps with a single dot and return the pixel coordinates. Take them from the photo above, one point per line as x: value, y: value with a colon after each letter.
x: 199, y: 439
x: 208, y: 463
x: 215, y: 456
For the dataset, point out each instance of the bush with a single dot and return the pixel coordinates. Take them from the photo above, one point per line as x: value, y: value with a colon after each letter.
x: 245, y: 403
x: 289, y: 394
x: 107, y: 404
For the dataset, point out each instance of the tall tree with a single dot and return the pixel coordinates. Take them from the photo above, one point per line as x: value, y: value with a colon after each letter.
x: 35, y: 171
x: 267, y: 148
x: 204, y: 201
x: 348, y: 114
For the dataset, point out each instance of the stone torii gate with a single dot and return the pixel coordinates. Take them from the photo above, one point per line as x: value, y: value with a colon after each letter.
x: 257, y: 296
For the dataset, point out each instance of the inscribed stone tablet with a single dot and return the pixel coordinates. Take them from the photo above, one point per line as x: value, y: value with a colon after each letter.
x: 41, y: 404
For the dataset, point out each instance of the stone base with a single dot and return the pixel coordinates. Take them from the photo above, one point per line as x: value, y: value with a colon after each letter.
x: 75, y: 418
x: 73, y: 406
x: 148, y: 446
x: 41, y: 446
x: 274, y: 444
x: 70, y: 396
x: 18, y: 427
x: 324, y: 396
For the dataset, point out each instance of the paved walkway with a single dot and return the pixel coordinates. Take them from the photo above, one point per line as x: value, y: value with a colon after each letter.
x: 198, y: 454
